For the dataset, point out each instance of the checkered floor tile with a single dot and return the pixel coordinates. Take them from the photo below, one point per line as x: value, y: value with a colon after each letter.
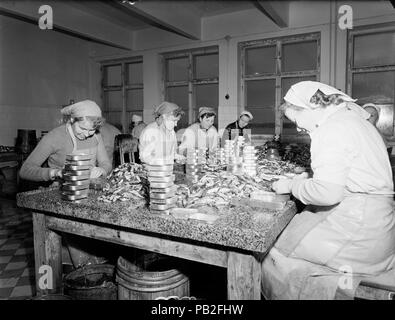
x: 16, y: 252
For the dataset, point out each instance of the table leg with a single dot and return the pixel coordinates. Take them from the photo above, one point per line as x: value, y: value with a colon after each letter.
x: 244, y: 277
x: 48, y: 257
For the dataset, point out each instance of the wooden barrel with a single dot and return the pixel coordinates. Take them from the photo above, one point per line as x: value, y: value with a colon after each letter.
x: 150, y: 277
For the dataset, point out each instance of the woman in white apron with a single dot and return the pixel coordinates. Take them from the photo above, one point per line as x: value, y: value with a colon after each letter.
x: 158, y: 142
x: 349, y: 222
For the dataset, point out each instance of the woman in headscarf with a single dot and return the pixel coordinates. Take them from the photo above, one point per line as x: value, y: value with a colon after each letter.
x: 77, y: 135
x: 202, y: 134
x: 349, y: 222
x: 158, y: 142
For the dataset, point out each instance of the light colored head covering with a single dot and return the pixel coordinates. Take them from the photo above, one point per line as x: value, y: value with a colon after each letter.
x: 247, y: 113
x: 85, y: 108
x: 166, y: 108
x: 136, y: 118
x: 204, y: 110
x: 300, y: 94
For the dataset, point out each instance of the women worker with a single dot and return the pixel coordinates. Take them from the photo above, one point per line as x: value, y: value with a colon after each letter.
x: 77, y: 135
x: 158, y: 141
x: 241, y: 124
x: 349, y: 223
x: 202, y: 134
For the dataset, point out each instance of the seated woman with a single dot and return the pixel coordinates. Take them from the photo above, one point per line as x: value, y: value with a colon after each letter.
x: 349, y: 223
x: 77, y: 135
x: 202, y: 134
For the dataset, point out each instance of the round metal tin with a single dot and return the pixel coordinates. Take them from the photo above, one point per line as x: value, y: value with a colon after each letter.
x: 168, y: 201
x: 78, y: 183
x: 70, y: 187
x: 161, y: 207
x: 162, y: 179
x: 166, y: 190
x: 78, y: 163
x: 76, y: 168
x: 73, y: 197
x: 165, y: 167
x: 159, y: 174
x: 77, y: 172
x: 160, y: 211
x: 161, y: 184
x: 78, y: 157
x: 161, y: 196
x: 76, y: 193
x: 76, y: 178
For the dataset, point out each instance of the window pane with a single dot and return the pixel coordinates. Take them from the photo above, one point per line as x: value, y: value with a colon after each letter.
x: 374, y: 86
x: 135, y: 73
x: 260, y: 101
x: 179, y: 96
x: 113, y: 100
x: 134, y: 99
x: 177, y: 69
x: 374, y: 49
x: 299, y: 56
x: 112, y: 76
x: 115, y: 118
x: 206, y: 66
x: 260, y: 60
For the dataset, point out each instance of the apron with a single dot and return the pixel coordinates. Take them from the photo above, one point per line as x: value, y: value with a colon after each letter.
x: 91, y: 151
x: 307, y: 260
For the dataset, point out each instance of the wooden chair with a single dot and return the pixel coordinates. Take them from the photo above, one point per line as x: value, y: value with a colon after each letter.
x: 126, y: 145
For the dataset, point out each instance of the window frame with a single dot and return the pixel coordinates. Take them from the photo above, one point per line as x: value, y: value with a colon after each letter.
x: 123, y: 87
x: 192, y: 81
x: 278, y: 74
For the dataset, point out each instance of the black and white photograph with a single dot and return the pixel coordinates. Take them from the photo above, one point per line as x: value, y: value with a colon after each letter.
x: 197, y: 155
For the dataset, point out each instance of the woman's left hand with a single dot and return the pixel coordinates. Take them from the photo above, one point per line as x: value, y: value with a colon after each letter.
x: 96, y: 172
x: 282, y: 186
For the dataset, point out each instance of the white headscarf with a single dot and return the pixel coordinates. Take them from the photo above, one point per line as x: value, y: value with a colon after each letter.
x: 300, y: 94
x: 85, y: 108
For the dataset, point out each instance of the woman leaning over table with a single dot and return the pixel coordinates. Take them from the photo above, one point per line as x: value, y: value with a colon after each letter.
x: 77, y: 135
x: 349, y: 223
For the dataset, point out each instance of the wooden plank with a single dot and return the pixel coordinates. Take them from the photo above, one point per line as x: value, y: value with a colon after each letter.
x: 145, y: 242
x: 244, y: 277
x: 47, y: 252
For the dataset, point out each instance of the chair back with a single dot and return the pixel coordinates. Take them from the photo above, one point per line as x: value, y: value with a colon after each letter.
x: 126, y: 145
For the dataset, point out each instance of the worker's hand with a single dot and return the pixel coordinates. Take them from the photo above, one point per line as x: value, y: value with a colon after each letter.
x: 96, y: 172
x: 55, y: 173
x: 282, y: 186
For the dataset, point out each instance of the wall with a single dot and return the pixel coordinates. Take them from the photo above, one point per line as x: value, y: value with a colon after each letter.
x: 39, y: 72
x: 304, y: 17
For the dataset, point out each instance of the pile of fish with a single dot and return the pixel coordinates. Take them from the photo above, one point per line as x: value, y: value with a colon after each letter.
x: 125, y: 183
x: 271, y: 170
x: 218, y: 189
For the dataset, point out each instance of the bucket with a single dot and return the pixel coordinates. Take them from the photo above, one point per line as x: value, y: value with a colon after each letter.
x: 25, y: 141
x: 150, y: 277
x: 92, y: 282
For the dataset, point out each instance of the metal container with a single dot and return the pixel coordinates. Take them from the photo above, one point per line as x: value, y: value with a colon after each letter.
x: 76, y: 192
x: 84, y: 182
x: 76, y: 168
x: 78, y: 163
x: 160, y: 211
x: 162, y: 179
x: 161, y: 207
x: 159, y: 173
x: 161, y: 196
x: 78, y: 157
x: 76, y: 178
x: 77, y: 172
x: 166, y: 167
x: 168, y: 201
x: 73, y: 197
x: 71, y: 187
x: 172, y: 188
x: 161, y: 184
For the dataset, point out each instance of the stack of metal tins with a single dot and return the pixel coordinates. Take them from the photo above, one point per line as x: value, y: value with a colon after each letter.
x: 249, y: 160
x: 192, y: 167
x: 221, y: 156
x: 229, y: 151
x: 76, y: 174
x: 162, y: 188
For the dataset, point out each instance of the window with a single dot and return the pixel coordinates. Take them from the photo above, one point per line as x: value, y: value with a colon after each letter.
x: 122, y: 91
x: 191, y: 81
x: 268, y: 69
x: 371, y: 70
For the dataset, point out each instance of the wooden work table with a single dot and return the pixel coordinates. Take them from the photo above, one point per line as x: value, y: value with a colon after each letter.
x: 237, y: 242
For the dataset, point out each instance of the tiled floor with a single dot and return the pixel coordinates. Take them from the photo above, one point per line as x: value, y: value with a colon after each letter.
x: 16, y: 252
